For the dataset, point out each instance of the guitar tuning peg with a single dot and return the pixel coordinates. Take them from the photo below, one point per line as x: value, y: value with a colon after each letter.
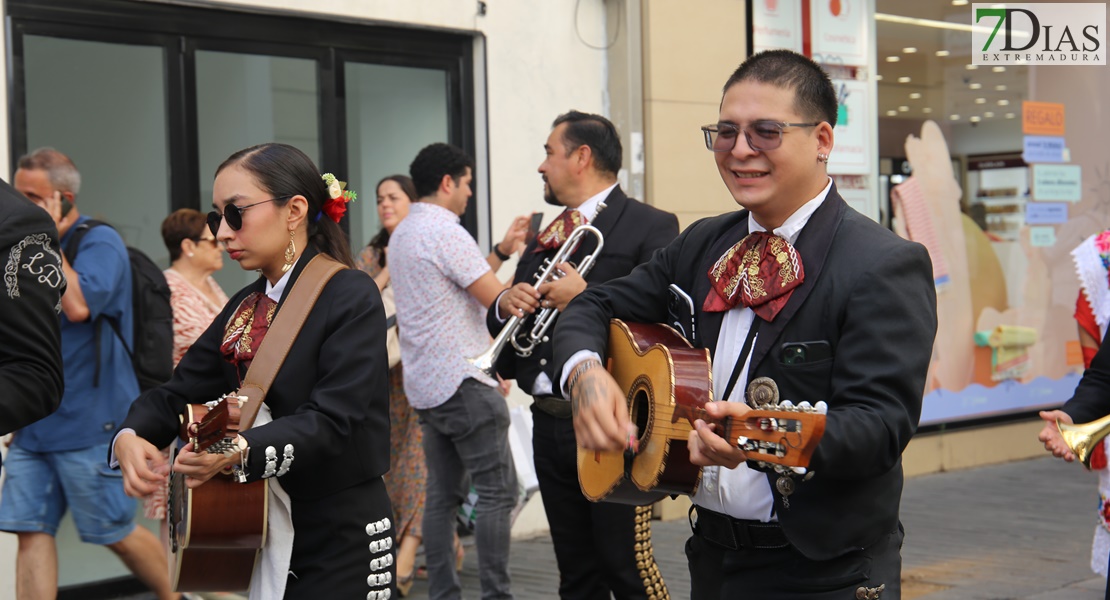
x: 787, y: 405
x: 822, y: 408
x: 806, y: 406
x: 799, y: 470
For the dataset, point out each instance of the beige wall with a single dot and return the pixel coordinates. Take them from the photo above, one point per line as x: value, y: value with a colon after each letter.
x: 690, y: 48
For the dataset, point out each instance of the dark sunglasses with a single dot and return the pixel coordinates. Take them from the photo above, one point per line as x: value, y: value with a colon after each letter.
x: 234, y: 215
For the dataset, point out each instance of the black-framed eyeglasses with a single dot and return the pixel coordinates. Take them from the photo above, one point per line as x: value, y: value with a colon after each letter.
x: 761, y: 135
x: 234, y: 215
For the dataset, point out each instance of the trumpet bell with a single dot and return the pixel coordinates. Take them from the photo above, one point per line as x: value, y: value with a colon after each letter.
x: 1083, y: 438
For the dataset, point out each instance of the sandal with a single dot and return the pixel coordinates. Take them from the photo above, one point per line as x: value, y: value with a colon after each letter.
x: 404, y: 583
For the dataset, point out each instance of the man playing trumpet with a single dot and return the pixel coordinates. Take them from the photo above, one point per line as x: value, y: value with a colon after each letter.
x: 595, y: 544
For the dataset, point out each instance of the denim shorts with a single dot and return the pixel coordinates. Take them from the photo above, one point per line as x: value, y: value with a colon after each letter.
x: 41, y: 485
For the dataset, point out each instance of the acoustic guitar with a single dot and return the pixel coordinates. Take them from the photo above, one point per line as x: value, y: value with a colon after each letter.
x: 667, y: 383
x: 216, y: 530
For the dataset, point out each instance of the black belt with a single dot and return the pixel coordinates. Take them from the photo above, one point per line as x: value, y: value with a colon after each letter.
x: 552, y: 405
x: 735, y: 534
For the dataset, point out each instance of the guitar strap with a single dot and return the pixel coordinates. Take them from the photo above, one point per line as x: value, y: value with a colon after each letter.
x: 281, y: 334
x: 740, y: 360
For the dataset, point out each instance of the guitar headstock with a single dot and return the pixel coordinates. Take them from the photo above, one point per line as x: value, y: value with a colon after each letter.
x: 215, y: 433
x: 783, y: 435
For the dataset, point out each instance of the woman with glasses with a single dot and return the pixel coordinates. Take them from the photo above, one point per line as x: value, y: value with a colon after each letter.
x: 195, y: 296
x: 321, y: 438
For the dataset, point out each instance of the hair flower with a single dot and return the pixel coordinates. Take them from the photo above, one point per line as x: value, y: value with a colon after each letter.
x: 336, y: 205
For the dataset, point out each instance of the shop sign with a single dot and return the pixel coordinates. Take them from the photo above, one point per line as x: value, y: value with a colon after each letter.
x: 777, y: 24
x: 1041, y: 33
x: 1046, y: 213
x: 1042, y: 118
x: 1042, y: 236
x: 1043, y: 149
x: 1057, y: 182
x: 839, y: 33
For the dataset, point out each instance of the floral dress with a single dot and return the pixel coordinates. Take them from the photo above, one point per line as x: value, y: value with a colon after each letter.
x: 407, y: 471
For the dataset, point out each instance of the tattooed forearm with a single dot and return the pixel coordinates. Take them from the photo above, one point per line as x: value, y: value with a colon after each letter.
x: 590, y: 389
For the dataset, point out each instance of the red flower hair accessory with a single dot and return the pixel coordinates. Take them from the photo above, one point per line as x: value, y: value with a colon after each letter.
x: 336, y: 204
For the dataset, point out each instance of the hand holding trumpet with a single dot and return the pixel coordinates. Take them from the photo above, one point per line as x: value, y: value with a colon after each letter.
x: 523, y: 299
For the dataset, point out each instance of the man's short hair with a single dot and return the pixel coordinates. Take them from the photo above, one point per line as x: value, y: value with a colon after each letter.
x: 814, y: 96
x: 595, y: 131
x: 60, y: 170
x: 433, y: 162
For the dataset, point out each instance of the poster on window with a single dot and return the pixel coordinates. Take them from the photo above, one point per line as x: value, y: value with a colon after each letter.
x: 839, y: 31
x: 777, y: 24
x: 853, y: 131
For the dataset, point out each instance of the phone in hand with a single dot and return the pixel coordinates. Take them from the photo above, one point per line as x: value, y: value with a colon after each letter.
x: 66, y: 207
x: 533, y: 227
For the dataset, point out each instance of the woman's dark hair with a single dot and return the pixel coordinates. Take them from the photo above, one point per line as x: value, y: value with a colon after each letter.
x: 284, y: 171
x: 381, y: 240
x: 182, y: 224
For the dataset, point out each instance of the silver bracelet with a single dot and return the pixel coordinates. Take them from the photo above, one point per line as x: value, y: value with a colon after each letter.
x: 580, y: 368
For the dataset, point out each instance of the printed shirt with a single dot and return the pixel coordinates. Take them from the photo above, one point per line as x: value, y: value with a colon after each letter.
x: 88, y: 415
x: 432, y: 260
x: 193, y: 311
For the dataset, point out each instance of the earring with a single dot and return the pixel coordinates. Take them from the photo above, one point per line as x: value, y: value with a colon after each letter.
x: 290, y: 253
x: 190, y: 255
x: 822, y: 157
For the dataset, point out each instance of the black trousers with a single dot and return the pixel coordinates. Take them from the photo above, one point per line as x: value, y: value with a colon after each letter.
x: 595, y: 543
x: 717, y: 573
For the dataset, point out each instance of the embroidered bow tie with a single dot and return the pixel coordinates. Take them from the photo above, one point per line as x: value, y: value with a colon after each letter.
x: 557, y: 232
x: 244, y: 333
x: 760, y: 272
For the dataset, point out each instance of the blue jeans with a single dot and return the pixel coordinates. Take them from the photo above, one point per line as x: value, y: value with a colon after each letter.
x: 468, y: 434
x: 40, y: 486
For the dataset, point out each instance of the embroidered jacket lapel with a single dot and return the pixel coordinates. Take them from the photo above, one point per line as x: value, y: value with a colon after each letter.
x: 709, y: 323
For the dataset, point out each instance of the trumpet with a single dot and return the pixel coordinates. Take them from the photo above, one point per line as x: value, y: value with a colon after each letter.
x: 545, y: 317
x: 1083, y: 438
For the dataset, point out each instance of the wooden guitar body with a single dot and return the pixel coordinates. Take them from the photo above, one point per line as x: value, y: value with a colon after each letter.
x: 217, y: 530
x: 667, y: 383
x: 659, y: 371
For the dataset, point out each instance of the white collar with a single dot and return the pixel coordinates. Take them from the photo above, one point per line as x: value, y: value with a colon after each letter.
x: 274, y: 291
x: 793, y: 224
x: 589, y: 207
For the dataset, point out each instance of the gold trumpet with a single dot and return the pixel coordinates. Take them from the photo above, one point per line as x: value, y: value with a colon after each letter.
x: 545, y: 317
x: 1084, y: 437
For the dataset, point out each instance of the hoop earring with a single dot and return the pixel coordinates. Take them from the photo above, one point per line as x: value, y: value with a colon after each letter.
x: 822, y: 157
x: 290, y: 253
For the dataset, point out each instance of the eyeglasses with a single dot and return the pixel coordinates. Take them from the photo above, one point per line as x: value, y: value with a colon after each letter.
x: 234, y: 215
x: 761, y: 135
x: 209, y: 240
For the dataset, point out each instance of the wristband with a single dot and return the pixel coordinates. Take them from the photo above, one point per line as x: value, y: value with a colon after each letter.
x: 579, y: 369
x: 497, y: 252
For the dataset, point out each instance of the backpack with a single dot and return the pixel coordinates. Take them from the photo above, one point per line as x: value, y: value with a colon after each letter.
x: 152, y: 317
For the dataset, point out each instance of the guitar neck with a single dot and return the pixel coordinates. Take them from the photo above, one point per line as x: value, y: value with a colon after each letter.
x: 785, y: 437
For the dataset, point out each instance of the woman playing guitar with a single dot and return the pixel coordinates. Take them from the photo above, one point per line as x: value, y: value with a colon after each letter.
x: 327, y: 446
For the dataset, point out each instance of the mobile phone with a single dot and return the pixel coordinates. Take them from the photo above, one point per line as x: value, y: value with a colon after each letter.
x: 680, y: 311
x: 66, y: 206
x: 533, y: 227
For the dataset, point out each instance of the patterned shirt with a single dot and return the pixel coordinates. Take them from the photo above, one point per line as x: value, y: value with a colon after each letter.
x: 193, y: 311
x: 432, y: 260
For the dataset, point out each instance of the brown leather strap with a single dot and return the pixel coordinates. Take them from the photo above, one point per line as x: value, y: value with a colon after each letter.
x: 283, y: 331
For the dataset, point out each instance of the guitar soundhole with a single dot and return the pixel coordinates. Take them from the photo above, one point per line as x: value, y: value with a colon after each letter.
x: 640, y: 410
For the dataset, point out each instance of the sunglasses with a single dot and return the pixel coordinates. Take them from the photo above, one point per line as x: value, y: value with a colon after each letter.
x: 234, y: 215
x: 761, y: 135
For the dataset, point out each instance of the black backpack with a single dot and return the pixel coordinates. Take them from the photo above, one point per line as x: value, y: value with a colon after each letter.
x: 152, y: 317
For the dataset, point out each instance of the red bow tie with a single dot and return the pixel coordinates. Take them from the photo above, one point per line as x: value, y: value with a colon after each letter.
x: 557, y: 232
x: 760, y: 272
x: 244, y: 333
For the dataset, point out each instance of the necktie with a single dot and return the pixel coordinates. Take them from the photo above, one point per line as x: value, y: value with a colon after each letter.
x: 760, y: 272
x: 557, y: 232
x: 244, y: 333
